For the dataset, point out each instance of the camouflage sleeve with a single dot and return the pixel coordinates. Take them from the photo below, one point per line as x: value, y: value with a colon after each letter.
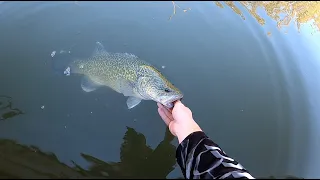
x: 200, y: 158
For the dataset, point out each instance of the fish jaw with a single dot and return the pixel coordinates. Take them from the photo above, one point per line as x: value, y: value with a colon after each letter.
x: 169, y: 100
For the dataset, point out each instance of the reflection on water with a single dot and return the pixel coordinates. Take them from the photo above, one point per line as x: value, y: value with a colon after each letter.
x: 175, y: 6
x: 283, y: 12
x: 20, y: 161
x: 6, y: 110
x: 138, y: 160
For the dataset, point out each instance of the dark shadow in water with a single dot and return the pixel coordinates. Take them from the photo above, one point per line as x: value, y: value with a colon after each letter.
x: 20, y: 161
x: 138, y: 160
x: 6, y: 110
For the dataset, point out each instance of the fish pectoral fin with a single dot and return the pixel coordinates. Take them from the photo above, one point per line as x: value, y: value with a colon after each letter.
x: 127, y: 92
x: 133, y: 101
x: 88, y: 85
x: 99, y: 50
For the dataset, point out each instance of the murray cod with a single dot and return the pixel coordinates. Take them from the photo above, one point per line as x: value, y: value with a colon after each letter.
x: 124, y: 73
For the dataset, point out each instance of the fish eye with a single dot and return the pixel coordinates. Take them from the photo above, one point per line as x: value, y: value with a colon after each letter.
x: 167, y: 90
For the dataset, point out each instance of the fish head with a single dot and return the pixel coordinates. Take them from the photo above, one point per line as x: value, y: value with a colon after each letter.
x: 153, y: 85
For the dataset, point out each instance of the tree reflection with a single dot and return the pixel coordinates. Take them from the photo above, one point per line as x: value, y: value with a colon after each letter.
x: 20, y: 161
x: 137, y: 160
x: 6, y: 110
x: 283, y: 12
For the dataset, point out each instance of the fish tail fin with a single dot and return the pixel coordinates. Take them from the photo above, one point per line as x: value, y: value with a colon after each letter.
x: 62, y: 63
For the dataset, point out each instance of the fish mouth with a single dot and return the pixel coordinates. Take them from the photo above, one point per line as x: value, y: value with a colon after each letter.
x: 170, y: 103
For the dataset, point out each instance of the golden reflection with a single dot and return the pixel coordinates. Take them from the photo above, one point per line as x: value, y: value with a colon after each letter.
x: 234, y: 8
x: 283, y: 12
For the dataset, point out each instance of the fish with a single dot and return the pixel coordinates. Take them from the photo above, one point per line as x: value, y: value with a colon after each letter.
x: 124, y: 73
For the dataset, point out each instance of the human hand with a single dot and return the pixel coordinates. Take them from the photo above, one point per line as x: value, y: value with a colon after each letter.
x: 179, y: 120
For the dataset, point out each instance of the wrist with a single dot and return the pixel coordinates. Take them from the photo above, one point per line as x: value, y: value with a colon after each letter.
x: 187, y: 131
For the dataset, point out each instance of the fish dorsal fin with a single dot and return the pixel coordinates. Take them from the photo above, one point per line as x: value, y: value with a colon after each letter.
x: 99, y: 49
x: 130, y: 55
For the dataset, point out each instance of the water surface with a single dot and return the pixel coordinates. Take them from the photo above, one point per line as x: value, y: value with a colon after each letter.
x: 251, y: 87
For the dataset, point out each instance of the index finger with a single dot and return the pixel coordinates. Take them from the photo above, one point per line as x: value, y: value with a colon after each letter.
x: 164, y: 116
x: 163, y: 107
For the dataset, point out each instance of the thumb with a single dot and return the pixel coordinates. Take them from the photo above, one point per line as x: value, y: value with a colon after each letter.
x: 178, y: 104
